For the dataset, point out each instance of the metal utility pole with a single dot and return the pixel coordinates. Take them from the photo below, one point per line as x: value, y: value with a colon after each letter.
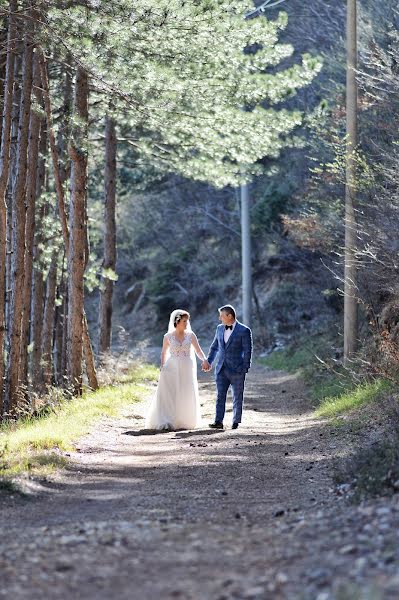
x: 246, y: 256
x: 245, y: 216
x: 350, y: 275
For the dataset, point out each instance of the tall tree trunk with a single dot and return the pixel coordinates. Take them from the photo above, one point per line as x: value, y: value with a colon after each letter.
x: 89, y: 356
x: 13, y: 170
x: 109, y: 262
x: 4, y: 172
x: 77, y: 241
x: 60, y: 316
x: 64, y: 165
x: 3, y: 69
x: 64, y: 361
x: 65, y: 128
x: 48, y: 321
x: 18, y: 60
x: 31, y: 190
x: 18, y: 216
x: 350, y: 288
x: 38, y: 281
x: 38, y: 292
x: 88, y: 351
x: 54, y: 152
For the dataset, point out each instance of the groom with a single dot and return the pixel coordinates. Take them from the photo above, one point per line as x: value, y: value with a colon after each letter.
x: 233, y: 346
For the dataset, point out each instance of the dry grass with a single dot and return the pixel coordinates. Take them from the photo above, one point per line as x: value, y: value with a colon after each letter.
x: 36, y: 444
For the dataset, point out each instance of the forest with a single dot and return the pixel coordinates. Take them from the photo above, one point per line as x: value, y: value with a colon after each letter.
x: 120, y: 187
x: 184, y: 155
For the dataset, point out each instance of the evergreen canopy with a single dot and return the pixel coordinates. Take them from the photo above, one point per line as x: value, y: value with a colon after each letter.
x: 195, y: 81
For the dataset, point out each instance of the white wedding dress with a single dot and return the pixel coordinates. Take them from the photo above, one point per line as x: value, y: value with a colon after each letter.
x: 176, y: 401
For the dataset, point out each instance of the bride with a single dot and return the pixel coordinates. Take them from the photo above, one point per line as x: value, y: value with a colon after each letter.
x: 176, y: 402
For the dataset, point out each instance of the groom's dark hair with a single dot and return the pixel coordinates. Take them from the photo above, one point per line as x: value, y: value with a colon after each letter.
x: 228, y: 309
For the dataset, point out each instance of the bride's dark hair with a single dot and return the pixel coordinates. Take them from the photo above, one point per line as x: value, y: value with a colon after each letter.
x: 180, y: 314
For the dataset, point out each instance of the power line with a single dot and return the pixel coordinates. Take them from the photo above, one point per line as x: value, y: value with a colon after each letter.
x: 262, y: 7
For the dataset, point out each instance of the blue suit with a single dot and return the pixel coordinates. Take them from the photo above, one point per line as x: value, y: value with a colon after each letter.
x: 232, y: 365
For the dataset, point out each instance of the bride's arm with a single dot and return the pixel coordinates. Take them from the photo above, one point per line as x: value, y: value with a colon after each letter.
x: 165, y: 347
x: 198, y: 350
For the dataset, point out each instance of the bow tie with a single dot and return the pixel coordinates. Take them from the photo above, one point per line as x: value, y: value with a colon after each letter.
x: 228, y: 327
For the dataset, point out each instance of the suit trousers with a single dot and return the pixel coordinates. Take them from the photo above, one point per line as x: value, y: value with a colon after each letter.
x: 224, y: 379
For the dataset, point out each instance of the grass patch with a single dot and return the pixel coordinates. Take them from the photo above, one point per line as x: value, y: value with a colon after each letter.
x: 352, y: 399
x: 333, y: 389
x: 287, y: 360
x: 33, y: 445
x: 308, y: 358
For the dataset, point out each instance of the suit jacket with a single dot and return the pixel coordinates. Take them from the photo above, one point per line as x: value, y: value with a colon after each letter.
x: 236, y: 354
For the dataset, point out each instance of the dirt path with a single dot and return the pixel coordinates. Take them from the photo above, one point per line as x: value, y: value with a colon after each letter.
x: 202, y: 515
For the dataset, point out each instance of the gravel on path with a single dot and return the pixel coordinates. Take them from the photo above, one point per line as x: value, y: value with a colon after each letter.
x: 239, y: 514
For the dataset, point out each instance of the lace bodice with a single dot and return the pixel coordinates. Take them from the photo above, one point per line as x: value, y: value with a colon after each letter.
x: 180, y: 350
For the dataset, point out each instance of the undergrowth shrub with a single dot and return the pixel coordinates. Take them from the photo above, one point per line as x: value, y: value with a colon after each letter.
x: 373, y: 468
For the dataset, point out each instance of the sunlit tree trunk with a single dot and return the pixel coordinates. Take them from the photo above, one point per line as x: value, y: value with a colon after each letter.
x: 13, y: 168
x: 89, y: 356
x: 74, y: 152
x: 3, y: 44
x: 64, y: 361
x: 31, y: 190
x: 48, y: 321
x: 77, y: 241
x: 18, y: 225
x: 59, y: 332
x: 109, y: 261
x: 62, y: 292
x: 350, y: 289
x: 4, y: 173
x: 38, y: 281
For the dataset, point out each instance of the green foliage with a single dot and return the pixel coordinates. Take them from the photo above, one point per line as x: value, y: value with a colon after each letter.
x: 109, y: 274
x: 269, y: 202
x: 93, y: 272
x: 162, y: 284
x: 352, y: 399
x: 185, y: 71
x: 51, y: 239
x: 288, y: 360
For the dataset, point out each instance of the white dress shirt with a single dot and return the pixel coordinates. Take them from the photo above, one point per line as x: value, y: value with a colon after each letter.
x: 228, y: 332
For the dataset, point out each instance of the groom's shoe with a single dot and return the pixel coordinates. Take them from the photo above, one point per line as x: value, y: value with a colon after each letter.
x: 234, y: 426
x: 216, y: 425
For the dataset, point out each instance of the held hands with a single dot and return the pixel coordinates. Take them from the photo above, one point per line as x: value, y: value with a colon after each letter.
x: 206, y: 366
